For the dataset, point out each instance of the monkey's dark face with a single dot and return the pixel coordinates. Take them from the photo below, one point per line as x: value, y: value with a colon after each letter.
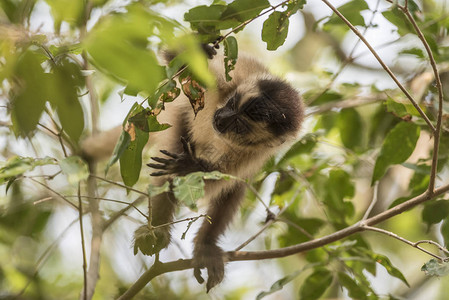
x: 261, y: 115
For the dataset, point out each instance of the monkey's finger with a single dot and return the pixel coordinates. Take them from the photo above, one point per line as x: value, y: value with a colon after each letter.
x: 157, y: 166
x: 186, y: 146
x: 161, y: 160
x: 160, y: 173
x: 197, y: 274
x: 172, y: 155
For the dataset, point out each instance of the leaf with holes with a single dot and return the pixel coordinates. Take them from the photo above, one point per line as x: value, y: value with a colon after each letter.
x: 275, y: 30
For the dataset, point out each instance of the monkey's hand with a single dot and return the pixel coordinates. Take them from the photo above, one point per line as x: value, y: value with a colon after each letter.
x: 208, y: 256
x: 150, y: 241
x: 179, y: 164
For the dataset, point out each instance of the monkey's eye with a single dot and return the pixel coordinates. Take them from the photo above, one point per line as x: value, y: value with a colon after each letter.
x: 233, y: 102
x: 258, y: 111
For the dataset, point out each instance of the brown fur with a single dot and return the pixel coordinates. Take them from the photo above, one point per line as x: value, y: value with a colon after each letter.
x: 227, y: 153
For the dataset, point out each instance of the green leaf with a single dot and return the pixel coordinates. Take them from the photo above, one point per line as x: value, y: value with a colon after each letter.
x: 69, y: 11
x: 355, y: 291
x: 294, y: 236
x: 435, y: 212
x: 131, y: 159
x: 315, y: 285
x: 435, y: 268
x: 243, y: 10
x: 401, y: 109
x: 17, y: 165
x: 328, y: 96
x: 275, y: 30
x: 351, y: 10
x: 231, y: 52
x: 216, y: 175
x: 397, y: 147
x: 154, y: 125
x: 120, y: 147
x: 279, y: 285
x: 166, y: 93
x: 204, y: 18
x: 75, y: 169
x: 303, y: 146
x: 156, y: 190
x: 188, y: 189
x: 350, y: 124
x: 397, y: 18
x: 31, y: 93
x: 385, y: 262
x: 66, y: 82
x: 118, y: 45
x: 294, y: 6
x: 17, y: 11
x: 192, y: 55
x: 338, y: 187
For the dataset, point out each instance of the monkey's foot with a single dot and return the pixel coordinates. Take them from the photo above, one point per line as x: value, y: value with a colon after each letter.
x: 150, y: 241
x: 211, y: 257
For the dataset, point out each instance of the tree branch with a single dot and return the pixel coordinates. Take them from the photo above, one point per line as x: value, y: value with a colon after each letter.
x: 384, y: 66
x: 436, y: 133
x: 83, y: 244
x: 184, y: 264
x: 415, y: 245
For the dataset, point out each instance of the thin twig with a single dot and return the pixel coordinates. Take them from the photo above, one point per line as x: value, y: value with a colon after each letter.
x: 184, y: 264
x: 297, y: 227
x: 121, y: 212
x: 336, y: 106
x: 349, y: 58
x: 433, y: 243
x: 119, y: 184
x: 180, y: 221
x: 222, y: 38
x: 394, y: 235
x: 115, y: 201
x: 384, y: 66
x: 373, y: 201
x: 258, y: 197
x: 436, y: 133
x: 61, y: 133
x: 55, y: 192
x: 83, y: 244
x: 267, y: 224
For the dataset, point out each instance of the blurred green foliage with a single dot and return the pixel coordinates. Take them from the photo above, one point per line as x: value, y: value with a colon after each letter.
x: 357, y: 137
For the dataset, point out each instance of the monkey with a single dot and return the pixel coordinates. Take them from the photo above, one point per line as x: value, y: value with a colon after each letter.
x: 244, y: 122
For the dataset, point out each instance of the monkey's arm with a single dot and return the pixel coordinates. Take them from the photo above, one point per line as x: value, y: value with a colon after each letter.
x: 180, y: 164
x: 206, y: 253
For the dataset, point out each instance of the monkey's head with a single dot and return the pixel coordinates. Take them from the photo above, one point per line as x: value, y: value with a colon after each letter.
x: 261, y: 112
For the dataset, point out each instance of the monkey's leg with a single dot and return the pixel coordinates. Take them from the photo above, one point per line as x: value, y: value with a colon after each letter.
x: 152, y: 240
x: 206, y: 253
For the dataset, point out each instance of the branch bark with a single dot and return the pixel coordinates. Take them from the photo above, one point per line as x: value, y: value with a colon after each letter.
x: 184, y: 264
